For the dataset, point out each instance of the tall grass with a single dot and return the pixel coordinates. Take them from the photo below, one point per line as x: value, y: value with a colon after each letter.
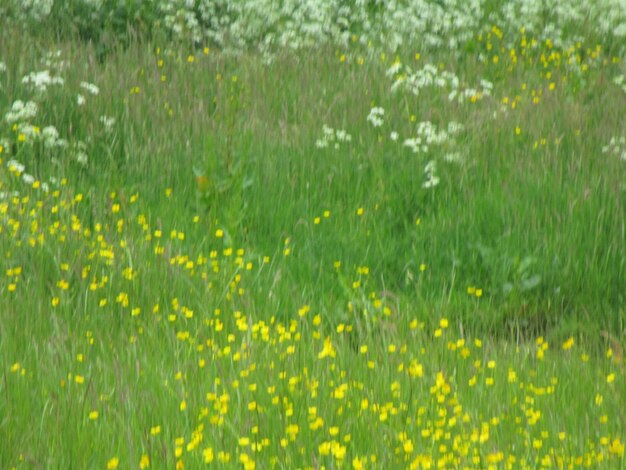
x: 216, y: 285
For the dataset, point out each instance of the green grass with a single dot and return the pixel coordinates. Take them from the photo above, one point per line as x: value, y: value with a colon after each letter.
x: 189, y: 276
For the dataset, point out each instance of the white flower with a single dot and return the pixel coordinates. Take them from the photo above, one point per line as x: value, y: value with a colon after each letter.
x: 50, y: 133
x: 333, y: 136
x: 50, y: 137
x: 616, y: 146
x: 90, y: 87
x: 80, y: 100
x: 431, y: 182
x: 432, y: 179
x: 376, y: 116
x: 82, y: 158
x: 16, y: 166
x: 393, y: 136
x: 41, y: 80
x: 453, y: 157
x: 3, y: 67
x: 455, y: 128
x: 31, y: 132
x: 21, y: 111
x: 343, y: 136
x: 415, y: 145
x: 108, y: 122
x: 28, y: 179
x: 394, y: 69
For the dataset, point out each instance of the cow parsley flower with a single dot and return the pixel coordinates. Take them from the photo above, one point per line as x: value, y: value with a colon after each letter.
x: 430, y: 171
x: 50, y: 136
x: 28, y: 178
x: 21, y: 111
x: 376, y: 116
x: 90, y: 88
x: 108, y: 122
x: 40, y: 81
x: 332, y: 136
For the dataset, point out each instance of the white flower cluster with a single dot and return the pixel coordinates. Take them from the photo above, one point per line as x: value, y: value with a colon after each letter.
x: 555, y: 20
x: 79, y: 153
x: 473, y: 94
x: 430, y: 172
x: 427, y: 76
x: 20, y: 170
x: 430, y: 77
x: 21, y: 111
x: 15, y: 166
x: 53, y: 60
x: 36, y: 9
x: 376, y: 117
x: 40, y: 81
x: 268, y: 25
x: 617, y: 147
x: 22, y: 114
x: 332, y: 137
x: 429, y: 135
x: 90, y: 88
x: 108, y: 123
x: 51, y: 139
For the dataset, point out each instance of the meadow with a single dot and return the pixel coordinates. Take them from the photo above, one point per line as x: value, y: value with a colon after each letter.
x: 319, y: 234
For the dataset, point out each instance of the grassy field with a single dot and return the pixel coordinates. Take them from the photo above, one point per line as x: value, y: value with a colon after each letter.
x: 341, y: 256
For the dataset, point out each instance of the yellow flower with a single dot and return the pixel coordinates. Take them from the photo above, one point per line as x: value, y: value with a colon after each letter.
x: 328, y: 350
x: 208, y: 455
x: 616, y: 447
x: 113, y: 463
x: 415, y: 369
x: 357, y: 464
x: 324, y: 448
x: 407, y: 446
x: 568, y: 344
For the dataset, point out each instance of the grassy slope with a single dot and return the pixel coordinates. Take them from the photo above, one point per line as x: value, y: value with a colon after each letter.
x: 252, y: 139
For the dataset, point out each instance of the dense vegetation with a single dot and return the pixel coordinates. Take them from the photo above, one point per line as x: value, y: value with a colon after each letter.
x: 312, y: 234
